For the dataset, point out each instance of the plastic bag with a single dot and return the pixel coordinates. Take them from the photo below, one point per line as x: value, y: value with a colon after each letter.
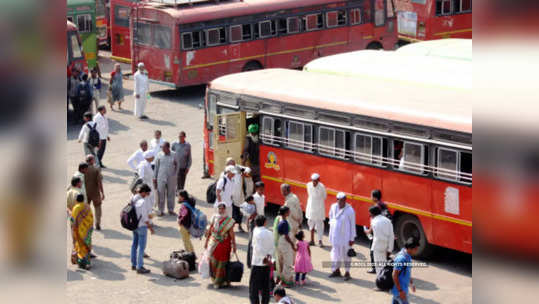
x: 204, y: 266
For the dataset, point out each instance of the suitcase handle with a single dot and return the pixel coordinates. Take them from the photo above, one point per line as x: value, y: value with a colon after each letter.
x: 237, y: 258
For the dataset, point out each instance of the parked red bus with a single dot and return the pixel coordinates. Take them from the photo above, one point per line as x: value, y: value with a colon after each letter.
x: 75, y: 54
x: 413, y: 142
x: 420, y: 20
x: 183, y: 45
x: 120, y: 36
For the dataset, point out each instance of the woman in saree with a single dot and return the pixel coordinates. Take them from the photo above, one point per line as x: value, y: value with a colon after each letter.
x: 221, y: 241
x: 82, y: 227
x: 285, y: 248
x: 116, y: 87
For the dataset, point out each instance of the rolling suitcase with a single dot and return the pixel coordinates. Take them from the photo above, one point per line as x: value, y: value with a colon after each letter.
x: 234, y: 270
x: 189, y: 257
x: 175, y: 268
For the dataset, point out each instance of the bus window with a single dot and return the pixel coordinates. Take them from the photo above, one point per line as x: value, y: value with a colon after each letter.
x: 340, y: 144
x: 162, y: 37
x: 368, y: 149
x: 215, y: 36
x: 355, y: 16
x: 75, y: 47
x: 266, y: 28
x: 236, y: 33
x: 212, y: 110
x: 84, y: 23
x: 121, y: 16
x: 413, y: 157
x: 379, y: 13
x: 247, y: 32
x: 331, y: 19
x: 268, y: 129
x: 282, y: 26
x: 447, y: 165
x: 293, y: 25
x: 443, y: 7
x: 461, y: 6
x: 300, y: 135
x: 187, y: 41
x: 466, y: 167
x: 143, y: 34
x: 313, y: 22
x: 326, y: 141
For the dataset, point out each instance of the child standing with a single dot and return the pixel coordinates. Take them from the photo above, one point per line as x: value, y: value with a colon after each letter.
x: 303, y: 263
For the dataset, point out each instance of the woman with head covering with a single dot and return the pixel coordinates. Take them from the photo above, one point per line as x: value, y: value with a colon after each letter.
x: 82, y: 219
x: 285, y: 252
x: 221, y: 241
x: 116, y: 86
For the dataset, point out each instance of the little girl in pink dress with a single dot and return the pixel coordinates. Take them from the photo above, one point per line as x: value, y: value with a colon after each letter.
x: 303, y: 259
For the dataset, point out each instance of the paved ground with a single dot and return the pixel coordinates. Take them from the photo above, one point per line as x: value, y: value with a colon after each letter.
x: 448, y: 279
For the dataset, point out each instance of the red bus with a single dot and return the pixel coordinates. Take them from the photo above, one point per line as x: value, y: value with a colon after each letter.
x: 190, y: 44
x: 420, y: 20
x: 411, y: 141
x: 120, y: 36
x: 75, y: 54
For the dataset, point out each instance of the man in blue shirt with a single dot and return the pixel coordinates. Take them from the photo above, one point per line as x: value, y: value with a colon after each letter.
x: 402, y: 272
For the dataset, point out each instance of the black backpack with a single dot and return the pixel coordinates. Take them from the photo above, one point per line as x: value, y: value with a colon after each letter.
x: 93, y: 135
x: 128, y: 217
x: 211, y: 192
x: 384, y: 280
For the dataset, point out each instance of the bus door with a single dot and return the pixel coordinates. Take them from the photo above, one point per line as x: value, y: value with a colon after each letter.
x: 229, y: 139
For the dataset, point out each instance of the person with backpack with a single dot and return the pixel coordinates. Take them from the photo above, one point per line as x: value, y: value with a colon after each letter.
x: 402, y: 272
x: 383, y: 237
x: 84, y: 93
x: 143, y: 208
x: 184, y: 218
x: 376, y: 197
x: 89, y: 135
x: 102, y: 123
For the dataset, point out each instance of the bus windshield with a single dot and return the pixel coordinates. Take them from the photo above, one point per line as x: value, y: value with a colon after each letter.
x: 76, y: 50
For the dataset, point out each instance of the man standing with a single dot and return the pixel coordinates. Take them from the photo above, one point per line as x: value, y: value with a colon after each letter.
x: 183, y: 158
x: 224, y: 189
x: 402, y: 272
x: 143, y: 209
x: 260, y: 202
x: 102, y: 123
x: 383, y: 237
x: 251, y: 152
x: 84, y: 135
x: 376, y: 197
x: 165, y: 179
x: 83, y: 167
x: 140, y: 91
x: 316, y: 207
x: 73, y: 192
x: 94, y: 188
x: 342, y: 232
x: 296, y: 214
x: 263, y: 249
x: 156, y: 144
x: 145, y: 172
x: 138, y: 156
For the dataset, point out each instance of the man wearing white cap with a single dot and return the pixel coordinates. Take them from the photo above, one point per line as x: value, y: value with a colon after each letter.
x: 145, y: 171
x: 225, y: 188
x: 342, y: 232
x: 316, y: 207
x: 140, y: 91
x: 296, y: 214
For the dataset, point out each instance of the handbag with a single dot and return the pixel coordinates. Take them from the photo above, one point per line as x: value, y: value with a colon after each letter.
x: 351, y: 252
x: 204, y: 265
x: 135, y: 182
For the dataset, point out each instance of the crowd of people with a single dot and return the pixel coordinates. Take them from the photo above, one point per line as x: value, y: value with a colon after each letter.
x: 279, y: 258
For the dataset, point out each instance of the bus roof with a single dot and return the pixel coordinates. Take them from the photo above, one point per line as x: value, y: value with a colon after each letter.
x: 385, y: 65
x: 449, y: 109
x: 233, y: 8
x: 451, y: 48
x: 80, y: 2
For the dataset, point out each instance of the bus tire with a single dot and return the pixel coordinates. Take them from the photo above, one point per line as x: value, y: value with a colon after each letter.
x: 375, y: 45
x: 409, y: 226
x: 252, y: 66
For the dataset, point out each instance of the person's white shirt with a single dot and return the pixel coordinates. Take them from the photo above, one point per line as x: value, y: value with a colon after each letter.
x: 85, y: 131
x: 156, y: 145
x: 263, y: 245
x: 316, y: 201
x: 145, y: 171
x: 226, y: 193
x: 342, y: 225
x: 135, y: 159
x: 260, y: 202
x: 141, y: 83
x: 143, y: 209
x: 383, y: 235
x: 237, y: 193
x: 102, y: 125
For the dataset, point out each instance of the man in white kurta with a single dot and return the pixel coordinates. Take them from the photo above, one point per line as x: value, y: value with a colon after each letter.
x: 342, y: 232
x: 140, y: 91
x: 224, y: 190
x: 316, y: 207
x: 383, y: 237
x: 145, y: 172
x: 138, y: 156
x: 296, y: 214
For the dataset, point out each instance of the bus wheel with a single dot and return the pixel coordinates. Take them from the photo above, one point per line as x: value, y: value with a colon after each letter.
x: 409, y: 226
x: 251, y: 66
x: 375, y: 45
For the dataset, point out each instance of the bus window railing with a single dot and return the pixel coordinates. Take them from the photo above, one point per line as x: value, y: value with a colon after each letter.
x: 371, y: 159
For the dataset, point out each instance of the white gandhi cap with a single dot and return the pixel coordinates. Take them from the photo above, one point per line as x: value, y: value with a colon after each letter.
x: 140, y: 64
x: 315, y: 176
x: 231, y: 169
x: 148, y: 154
x: 341, y: 195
